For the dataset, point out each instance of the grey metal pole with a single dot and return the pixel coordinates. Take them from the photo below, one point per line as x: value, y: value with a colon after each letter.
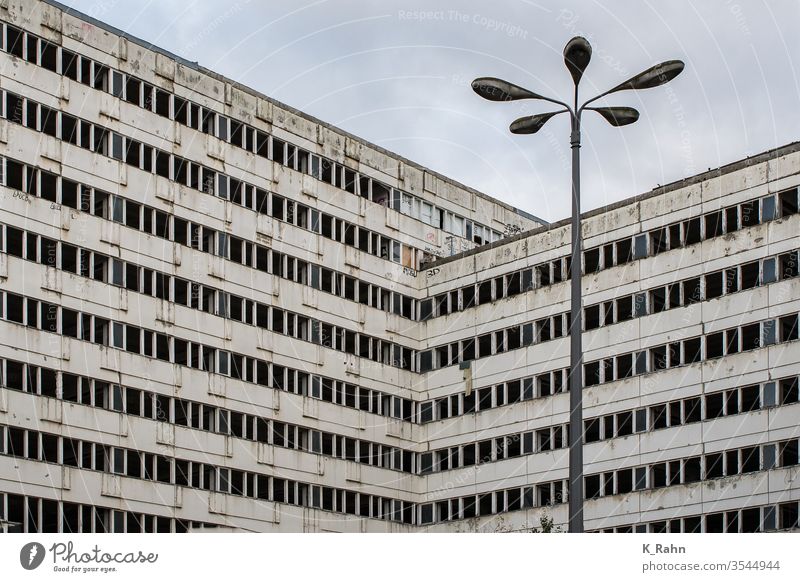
x: 576, y: 348
x: 577, y: 55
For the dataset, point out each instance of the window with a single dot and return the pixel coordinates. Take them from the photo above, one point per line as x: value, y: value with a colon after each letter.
x: 788, y: 202
x: 749, y: 213
x: 713, y: 224
x: 640, y: 246
x: 658, y: 240
x: 591, y: 259
x: 624, y: 251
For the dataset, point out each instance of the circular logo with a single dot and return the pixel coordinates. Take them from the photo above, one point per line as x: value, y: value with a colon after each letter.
x: 31, y: 555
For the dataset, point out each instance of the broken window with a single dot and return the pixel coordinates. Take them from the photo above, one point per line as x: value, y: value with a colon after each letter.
x: 788, y: 328
x: 15, y: 41
x: 624, y: 424
x: 714, y: 285
x: 691, y: 230
x: 750, y: 400
x: 713, y: 224
x: 624, y: 366
x: 624, y: 481
x: 485, y: 292
x: 658, y: 299
x: 658, y: 358
x: 749, y: 213
x: 691, y: 470
x: 751, y: 336
x: 750, y: 460
x: 714, y: 345
x: 692, y: 292
x: 624, y: 251
x: 658, y: 240
x: 624, y: 308
x: 692, y: 350
x: 591, y: 259
x: 591, y: 372
x: 788, y: 202
x: 749, y: 275
x: 715, y: 405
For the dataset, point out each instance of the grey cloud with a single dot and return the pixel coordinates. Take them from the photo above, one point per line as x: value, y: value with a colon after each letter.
x: 397, y: 73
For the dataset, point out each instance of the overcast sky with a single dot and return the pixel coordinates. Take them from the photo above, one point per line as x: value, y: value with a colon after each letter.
x: 397, y: 74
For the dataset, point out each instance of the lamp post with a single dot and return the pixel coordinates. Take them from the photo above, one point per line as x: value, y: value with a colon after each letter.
x: 577, y: 55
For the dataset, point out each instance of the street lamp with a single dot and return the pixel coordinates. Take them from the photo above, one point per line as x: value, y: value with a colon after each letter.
x: 577, y: 55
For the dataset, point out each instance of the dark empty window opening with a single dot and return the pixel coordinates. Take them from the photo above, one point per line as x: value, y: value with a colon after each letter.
x: 788, y: 328
x: 714, y: 345
x: 713, y: 224
x: 749, y: 275
x: 592, y: 316
x: 692, y: 350
x: 715, y: 405
x: 658, y: 241
x: 591, y: 260
x: 485, y: 292
x: 714, y: 285
x: 788, y: 265
x: 751, y: 336
x: 691, y: 470
x: 658, y: 299
x: 750, y: 213
x: 624, y: 308
x: 691, y: 231
x: 691, y: 410
x: 692, y: 292
x: 624, y: 251
x: 788, y: 202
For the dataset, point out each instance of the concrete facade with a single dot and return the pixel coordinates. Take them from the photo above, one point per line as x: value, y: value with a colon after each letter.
x: 219, y: 312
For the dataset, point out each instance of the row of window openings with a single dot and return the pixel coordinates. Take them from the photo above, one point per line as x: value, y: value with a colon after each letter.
x: 46, y: 317
x: 206, y: 240
x: 198, y: 177
x: 540, y: 495
x: 623, y: 309
x: 43, y: 381
x: 746, y: 520
x: 241, y: 251
x: 140, y: 93
x: 692, y: 469
x: 694, y: 290
x: 690, y: 410
x: 622, y: 481
x: 87, y: 327
x: 91, y: 392
x: 623, y: 366
x: 27, y: 514
x: 680, y: 234
x: 43, y: 315
x: 49, y: 448
x: 100, y: 267
x: 213, y: 419
x: 610, y: 426
x: 730, y: 341
x: 166, y: 348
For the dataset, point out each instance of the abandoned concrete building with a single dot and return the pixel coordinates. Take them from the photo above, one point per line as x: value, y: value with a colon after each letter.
x: 219, y: 312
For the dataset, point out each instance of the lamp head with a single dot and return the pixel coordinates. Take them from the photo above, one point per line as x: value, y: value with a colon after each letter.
x: 577, y: 55
x: 617, y: 116
x: 532, y: 123
x: 652, y: 77
x: 494, y: 89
